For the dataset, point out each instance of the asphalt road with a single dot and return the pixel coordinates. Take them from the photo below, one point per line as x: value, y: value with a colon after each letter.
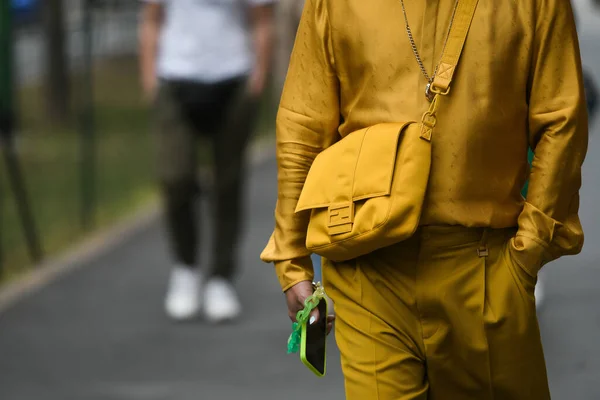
x: 100, y: 333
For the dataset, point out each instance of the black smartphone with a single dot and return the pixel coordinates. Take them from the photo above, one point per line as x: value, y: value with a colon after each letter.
x: 314, y: 342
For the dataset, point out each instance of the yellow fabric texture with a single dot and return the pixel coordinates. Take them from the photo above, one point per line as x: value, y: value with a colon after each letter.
x: 519, y: 83
x: 427, y: 319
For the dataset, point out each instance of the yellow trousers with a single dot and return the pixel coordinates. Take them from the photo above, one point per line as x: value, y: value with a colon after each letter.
x: 446, y: 315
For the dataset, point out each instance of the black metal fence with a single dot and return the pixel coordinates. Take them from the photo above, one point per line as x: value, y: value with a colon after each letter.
x: 95, y: 30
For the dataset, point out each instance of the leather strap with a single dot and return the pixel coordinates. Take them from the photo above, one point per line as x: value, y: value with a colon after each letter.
x: 456, y: 41
x: 441, y: 84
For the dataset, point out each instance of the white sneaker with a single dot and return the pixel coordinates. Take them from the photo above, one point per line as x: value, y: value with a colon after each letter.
x: 183, y: 293
x: 539, y: 294
x: 220, y: 301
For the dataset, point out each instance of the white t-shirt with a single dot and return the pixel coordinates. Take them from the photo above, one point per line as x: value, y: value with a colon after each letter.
x: 205, y: 40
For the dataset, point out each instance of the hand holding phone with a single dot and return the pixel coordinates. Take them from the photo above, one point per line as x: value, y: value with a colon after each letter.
x: 313, y: 345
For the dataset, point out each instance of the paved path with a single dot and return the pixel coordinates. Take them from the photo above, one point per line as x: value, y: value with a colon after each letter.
x: 100, y: 333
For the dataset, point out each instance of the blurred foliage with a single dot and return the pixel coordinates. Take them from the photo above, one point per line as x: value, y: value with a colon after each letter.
x: 50, y: 160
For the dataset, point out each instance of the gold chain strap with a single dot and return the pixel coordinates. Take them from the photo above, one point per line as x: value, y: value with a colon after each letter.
x: 416, y: 52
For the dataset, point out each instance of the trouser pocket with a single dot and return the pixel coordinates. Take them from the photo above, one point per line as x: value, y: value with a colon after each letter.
x: 521, y: 278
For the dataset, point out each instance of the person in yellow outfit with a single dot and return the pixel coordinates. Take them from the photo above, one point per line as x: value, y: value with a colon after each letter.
x: 448, y: 313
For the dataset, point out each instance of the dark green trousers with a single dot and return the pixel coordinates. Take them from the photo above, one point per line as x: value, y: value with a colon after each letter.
x: 220, y: 116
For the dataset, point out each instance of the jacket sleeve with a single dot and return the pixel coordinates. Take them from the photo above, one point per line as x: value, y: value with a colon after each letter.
x: 549, y: 225
x: 307, y: 123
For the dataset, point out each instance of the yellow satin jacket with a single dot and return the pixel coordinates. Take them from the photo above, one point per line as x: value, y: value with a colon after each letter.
x: 519, y: 84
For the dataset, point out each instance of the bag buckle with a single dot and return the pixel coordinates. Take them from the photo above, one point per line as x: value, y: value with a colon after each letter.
x: 429, y: 120
x: 340, y: 218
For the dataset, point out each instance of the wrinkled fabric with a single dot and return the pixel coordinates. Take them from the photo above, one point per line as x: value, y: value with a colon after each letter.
x: 519, y: 85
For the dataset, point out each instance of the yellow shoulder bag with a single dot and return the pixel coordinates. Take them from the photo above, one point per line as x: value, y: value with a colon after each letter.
x: 366, y: 191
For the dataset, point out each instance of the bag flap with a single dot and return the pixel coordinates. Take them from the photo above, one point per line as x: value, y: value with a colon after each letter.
x: 359, y: 166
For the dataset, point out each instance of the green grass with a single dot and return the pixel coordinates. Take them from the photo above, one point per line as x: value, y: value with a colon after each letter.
x: 50, y: 159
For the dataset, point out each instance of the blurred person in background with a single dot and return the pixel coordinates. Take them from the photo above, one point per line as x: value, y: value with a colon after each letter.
x: 448, y: 313
x: 204, y: 65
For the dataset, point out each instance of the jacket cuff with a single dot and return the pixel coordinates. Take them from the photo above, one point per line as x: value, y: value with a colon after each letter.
x: 530, y: 253
x: 291, y: 272
x: 531, y: 247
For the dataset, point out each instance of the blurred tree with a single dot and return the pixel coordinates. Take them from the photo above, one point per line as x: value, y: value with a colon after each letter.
x: 57, y: 83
